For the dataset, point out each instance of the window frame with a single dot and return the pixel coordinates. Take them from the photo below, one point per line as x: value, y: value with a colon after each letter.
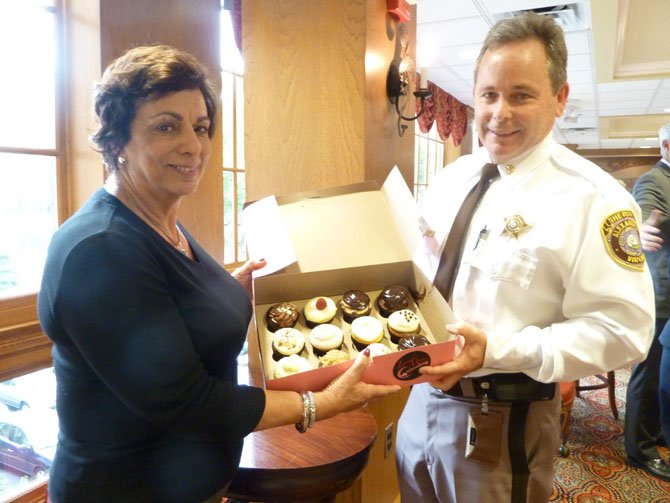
x: 434, y: 162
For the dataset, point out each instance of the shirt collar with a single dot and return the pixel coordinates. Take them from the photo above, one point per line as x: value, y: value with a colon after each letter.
x: 530, y: 159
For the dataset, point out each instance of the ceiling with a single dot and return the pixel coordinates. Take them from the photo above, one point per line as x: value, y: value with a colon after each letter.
x: 618, y: 62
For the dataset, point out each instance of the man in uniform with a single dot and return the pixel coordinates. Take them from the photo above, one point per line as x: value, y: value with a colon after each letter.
x: 552, y: 284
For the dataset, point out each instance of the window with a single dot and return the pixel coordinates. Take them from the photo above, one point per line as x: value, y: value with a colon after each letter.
x: 28, y: 142
x: 428, y: 159
x: 31, y: 203
x: 28, y: 432
x: 232, y: 119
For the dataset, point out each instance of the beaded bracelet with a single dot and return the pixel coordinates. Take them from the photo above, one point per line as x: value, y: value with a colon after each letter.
x: 308, y: 412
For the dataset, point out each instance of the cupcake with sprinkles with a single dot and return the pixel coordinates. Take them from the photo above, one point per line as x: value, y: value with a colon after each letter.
x: 402, y: 324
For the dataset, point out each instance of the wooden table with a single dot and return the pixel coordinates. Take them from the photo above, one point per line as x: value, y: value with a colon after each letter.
x: 283, y: 465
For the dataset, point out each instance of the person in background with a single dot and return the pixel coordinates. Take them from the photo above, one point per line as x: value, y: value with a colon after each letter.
x: 642, y: 428
x: 146, y: 326
x: 552, y: 285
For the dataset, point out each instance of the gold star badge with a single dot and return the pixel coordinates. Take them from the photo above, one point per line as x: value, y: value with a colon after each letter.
x: 514, y: 226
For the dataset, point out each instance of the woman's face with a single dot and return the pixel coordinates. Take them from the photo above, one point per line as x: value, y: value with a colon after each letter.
x: 169, y: 145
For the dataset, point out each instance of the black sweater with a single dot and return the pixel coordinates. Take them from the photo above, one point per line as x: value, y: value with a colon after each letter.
x: 145, y: 346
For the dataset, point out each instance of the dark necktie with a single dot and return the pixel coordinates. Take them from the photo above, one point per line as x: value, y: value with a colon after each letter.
x: 453, y: 249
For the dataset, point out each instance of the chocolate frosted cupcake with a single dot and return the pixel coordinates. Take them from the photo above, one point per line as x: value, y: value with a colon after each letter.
x: 355, y: 303
x: 412, y: 341
x: 392, y: 298
x: 282, y: 315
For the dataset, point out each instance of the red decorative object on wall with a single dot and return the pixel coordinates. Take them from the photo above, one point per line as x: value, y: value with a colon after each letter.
x: 442, y: 108
x: 399, y: 9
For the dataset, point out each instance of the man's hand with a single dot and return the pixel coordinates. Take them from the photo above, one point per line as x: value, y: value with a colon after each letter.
x: 651, y: 237
x: 469, y: 356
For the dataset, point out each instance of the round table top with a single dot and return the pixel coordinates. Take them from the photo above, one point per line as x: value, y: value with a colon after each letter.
x: 282, y: 464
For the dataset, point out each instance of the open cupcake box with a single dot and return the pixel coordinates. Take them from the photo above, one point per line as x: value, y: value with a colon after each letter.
x: 325, y: 242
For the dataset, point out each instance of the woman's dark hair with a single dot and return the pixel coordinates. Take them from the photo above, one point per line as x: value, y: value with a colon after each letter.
x: 143, y: 73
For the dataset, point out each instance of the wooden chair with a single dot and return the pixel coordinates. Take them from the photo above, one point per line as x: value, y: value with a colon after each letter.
x: 573, y: 388
x: 607, y: 381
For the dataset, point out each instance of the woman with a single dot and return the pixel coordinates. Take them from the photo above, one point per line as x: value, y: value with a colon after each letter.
x: 146, y: 326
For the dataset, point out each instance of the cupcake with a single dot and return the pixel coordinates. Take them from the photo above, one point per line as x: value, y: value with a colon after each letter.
x: 366, y: 330
x: 403, y: 323
x: 320, y: 310
x: 392, y: 298
x: 378, y: 349
x: 325, y: 337
x: 333, y: 357
x: 287, y: 342
x: 282, y: 315
x: 290, y: 365
x: 412, y: 341
x: 355, y: 303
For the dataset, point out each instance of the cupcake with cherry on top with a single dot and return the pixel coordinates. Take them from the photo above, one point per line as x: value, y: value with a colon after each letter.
x: 319, y: 310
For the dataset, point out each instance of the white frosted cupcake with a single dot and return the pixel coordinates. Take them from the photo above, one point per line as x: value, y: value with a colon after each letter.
x: 378, y: 349
x: 290, y: 365
x: 319, y: 310
x: 403, y: 323
x: 325, y: 337
x: 287, y: 342
x: 366, y: 330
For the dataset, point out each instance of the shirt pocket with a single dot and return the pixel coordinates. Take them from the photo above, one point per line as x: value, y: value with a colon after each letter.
x: 512, y: 265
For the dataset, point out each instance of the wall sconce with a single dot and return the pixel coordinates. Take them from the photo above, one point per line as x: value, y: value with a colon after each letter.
x: 398, y: 84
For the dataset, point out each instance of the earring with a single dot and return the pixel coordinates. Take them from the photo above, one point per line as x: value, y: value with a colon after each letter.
x: 121, y: 160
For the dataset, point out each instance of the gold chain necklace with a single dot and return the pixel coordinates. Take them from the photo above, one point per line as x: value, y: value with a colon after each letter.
x: 177, y: 244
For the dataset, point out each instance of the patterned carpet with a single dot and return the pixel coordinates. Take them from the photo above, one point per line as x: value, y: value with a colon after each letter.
x: 596, y: 469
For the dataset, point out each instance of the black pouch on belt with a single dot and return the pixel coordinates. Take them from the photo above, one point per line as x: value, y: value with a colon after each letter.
x: 517, y: 388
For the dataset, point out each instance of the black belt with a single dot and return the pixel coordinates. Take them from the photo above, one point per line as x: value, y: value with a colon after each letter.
x: 514, y: 388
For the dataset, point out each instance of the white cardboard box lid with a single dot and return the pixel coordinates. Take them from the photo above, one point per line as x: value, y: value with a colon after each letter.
x: 347, y: 226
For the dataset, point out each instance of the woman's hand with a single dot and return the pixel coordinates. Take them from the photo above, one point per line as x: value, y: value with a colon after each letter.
x: 469, y: 356
x: 347, y: 392
x: 243, y: 274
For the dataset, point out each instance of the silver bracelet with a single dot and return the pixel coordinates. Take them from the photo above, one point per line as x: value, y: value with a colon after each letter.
x: 303, y: 425
x: 308, y: 412
x: 312, y: 408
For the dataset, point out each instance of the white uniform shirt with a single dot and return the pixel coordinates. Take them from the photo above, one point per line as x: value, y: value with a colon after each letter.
x: 555, y: 301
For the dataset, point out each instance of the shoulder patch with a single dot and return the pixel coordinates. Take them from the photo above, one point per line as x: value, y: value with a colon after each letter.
x: 622, y: 239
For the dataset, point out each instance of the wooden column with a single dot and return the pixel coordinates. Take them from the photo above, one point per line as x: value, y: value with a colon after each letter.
x: 193, y: 26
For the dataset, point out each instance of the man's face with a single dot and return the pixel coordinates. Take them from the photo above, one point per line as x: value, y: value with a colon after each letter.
x: 515, y: 107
